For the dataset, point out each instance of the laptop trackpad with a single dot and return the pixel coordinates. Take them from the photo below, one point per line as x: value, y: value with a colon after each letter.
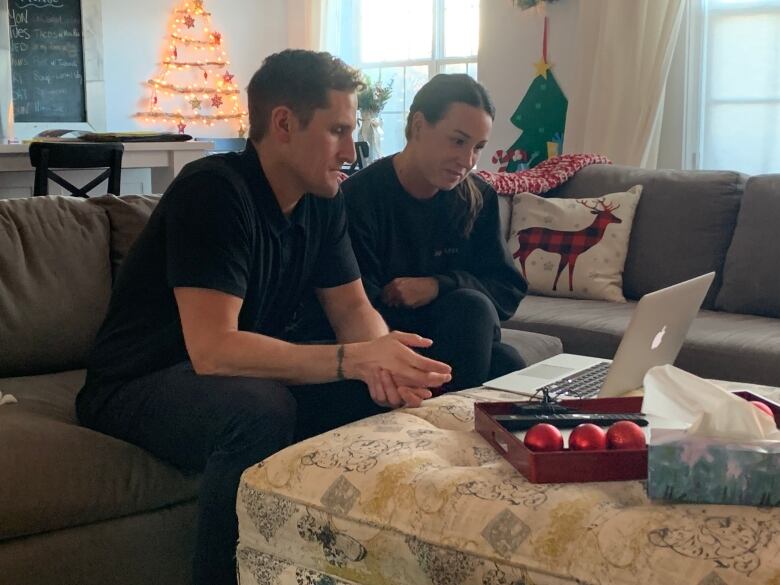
x: 545, y: 371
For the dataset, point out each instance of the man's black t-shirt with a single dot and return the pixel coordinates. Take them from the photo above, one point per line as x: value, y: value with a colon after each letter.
x: 218, y: 226
x: 395, y: 235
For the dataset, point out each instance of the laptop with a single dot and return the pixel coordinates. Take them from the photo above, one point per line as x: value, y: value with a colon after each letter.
x: 653, y: 337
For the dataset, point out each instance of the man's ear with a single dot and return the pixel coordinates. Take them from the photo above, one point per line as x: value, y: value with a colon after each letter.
x: 282, y: 121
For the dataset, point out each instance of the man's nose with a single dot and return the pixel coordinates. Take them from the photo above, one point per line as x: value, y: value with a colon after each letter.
x: 348, y: 151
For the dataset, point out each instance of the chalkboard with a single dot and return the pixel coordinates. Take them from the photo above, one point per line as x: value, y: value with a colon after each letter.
x: 47, y: 60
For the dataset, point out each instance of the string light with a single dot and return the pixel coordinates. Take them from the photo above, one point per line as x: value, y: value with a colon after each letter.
x: 193, y: 87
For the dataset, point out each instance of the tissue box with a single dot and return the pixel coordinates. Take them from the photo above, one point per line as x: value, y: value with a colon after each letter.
x: 710, y: 471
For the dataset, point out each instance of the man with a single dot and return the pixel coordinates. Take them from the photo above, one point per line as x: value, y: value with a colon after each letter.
x: 189, y: 363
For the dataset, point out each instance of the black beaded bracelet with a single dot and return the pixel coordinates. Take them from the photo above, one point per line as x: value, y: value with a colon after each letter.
x: 340, y: 363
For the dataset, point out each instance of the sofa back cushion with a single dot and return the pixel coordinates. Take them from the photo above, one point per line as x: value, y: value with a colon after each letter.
x: 55, y: 282
x: 127, y: 216
x: 751, y: 283
x: 683, y: 225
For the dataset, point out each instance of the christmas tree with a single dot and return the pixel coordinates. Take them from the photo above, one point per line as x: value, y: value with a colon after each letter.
x: 541, y: 116
x: 194, y: 87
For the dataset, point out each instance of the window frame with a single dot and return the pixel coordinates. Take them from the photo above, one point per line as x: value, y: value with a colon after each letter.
x: 699, y: 50
x: 435, y: 64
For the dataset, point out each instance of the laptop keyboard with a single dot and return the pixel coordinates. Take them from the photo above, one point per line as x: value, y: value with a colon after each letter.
x: 584, y: 384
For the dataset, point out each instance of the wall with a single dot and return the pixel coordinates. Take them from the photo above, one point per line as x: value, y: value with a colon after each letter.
x: 510, y: 44
x: 134, y: 32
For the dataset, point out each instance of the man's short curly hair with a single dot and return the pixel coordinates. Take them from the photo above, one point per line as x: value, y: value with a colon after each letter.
x: 299, y: 80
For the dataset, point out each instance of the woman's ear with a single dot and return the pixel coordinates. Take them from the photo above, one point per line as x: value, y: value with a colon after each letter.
x: 418, y: 121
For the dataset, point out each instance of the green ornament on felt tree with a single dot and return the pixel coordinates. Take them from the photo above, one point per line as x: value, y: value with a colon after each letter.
x: 524, y: 4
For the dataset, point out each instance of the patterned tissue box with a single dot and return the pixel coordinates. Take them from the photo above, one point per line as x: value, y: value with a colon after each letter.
x: 707, y: 471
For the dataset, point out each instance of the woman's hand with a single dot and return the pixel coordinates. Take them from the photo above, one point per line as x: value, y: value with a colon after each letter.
x: 410, y: 292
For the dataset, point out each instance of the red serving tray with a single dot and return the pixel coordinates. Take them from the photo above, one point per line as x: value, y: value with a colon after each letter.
x: 569, y: 466
x: 564, y: 466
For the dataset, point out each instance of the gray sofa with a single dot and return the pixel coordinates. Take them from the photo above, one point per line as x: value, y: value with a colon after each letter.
x: 78, y: 507
x: 687, y: 223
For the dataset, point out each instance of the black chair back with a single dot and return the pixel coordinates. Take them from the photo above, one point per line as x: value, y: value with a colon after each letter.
x: 361, y: 155
x: 46, y: 156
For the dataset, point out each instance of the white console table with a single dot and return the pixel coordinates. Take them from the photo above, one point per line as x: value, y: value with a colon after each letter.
x: 165, y: 159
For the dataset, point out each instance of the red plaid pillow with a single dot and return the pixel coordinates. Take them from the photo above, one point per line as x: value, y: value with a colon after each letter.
x: 573, y: 247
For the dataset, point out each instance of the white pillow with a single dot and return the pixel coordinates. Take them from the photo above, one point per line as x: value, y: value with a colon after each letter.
x: 587, y: 239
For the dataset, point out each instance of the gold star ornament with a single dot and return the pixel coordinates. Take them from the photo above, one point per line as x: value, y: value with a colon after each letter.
x: 542, y: 67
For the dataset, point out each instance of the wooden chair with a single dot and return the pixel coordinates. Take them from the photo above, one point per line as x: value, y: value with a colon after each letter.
x: 45, y: 156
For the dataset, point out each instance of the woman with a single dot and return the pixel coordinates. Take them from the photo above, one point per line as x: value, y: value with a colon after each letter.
x: 426, y: 234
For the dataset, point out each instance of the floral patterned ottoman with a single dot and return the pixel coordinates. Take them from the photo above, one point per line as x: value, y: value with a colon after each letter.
x: 417, y: 497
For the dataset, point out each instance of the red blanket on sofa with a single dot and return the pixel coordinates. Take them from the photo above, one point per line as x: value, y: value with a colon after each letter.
x: 543, y: 177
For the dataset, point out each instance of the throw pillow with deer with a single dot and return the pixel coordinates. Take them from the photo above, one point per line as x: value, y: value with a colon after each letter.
x: 573, y: 247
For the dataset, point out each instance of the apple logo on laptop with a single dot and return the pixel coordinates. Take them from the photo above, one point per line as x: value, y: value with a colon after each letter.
x: 658, y: 339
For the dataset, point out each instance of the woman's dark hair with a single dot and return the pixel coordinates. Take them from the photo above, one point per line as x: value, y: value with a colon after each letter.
x: 433, y: 100
x: 299, y: 80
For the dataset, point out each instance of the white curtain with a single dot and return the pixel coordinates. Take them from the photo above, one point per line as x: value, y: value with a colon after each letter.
x: 314, y: 24
x: 624, y: 53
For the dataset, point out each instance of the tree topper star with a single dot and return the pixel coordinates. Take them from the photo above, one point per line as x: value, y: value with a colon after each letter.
x: 542, y: 67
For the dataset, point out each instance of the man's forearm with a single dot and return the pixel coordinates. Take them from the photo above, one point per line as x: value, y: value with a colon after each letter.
x: 362, y: 324
x: 241, y: 353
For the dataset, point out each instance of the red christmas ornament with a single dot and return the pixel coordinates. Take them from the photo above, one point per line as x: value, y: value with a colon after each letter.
x: 763, y: 407
x: 181, y: 126
x: 216, y: 37
x: 175, y: 53
x: 228, y: 77
x: 205, y: 75
x: 154, y: 100
x: 588, y: 437
x: 216, y: 100
x: 543, y: 437
x: 625, y: 434
x: 189, y: 21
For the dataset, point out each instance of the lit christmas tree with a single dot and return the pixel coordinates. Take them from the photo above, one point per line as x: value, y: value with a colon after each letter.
x: 541, y: 117
x: 194, y: 86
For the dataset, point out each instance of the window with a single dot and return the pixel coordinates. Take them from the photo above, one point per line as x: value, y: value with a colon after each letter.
x: 408, y: 42
x: 739, y: 125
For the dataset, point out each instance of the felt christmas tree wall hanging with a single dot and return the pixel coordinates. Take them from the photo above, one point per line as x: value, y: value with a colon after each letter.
x: 194, y: 88
x: 541, y: 118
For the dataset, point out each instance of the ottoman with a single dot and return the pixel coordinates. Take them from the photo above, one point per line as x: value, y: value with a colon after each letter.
x: 416, y: 497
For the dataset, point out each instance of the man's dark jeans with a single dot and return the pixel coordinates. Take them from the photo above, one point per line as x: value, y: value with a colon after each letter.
x: 219, y: 425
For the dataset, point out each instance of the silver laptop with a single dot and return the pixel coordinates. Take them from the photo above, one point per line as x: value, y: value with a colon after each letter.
x: 654, y: 337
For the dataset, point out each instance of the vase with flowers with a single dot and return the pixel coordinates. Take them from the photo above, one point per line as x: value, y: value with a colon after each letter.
x: 371, y: 100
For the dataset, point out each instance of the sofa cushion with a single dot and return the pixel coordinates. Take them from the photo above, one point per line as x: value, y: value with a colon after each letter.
x: 719, y: 345
x: 551, y: 236
x: 683, y: 224
x: 57, y: 474
x: 532, y: 347
x: 55, y: 282
x: 127, y: 216
x: 751, y: 281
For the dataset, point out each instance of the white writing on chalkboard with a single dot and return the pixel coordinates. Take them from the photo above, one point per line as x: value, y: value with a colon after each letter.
x: 40, y: 4
x: 47, y: 62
